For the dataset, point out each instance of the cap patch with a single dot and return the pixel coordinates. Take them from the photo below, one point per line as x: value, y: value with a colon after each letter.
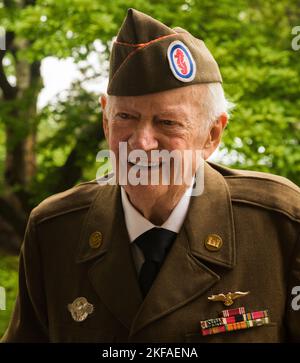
x: 181, y: 61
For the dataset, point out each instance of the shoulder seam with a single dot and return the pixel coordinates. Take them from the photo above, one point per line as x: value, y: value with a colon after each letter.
x: 261, y: 179
x: 266, y: 193
x: 264, y: 206
x: 60, y: 213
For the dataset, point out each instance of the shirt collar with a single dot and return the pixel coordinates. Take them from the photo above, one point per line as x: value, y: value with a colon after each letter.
x: 137, y: 224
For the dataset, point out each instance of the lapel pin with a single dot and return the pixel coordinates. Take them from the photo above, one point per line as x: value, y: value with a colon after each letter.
x: 228, y: 299
x: 80, y: 309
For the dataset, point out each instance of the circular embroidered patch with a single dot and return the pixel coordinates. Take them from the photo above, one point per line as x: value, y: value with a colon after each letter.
x: 181, y: 61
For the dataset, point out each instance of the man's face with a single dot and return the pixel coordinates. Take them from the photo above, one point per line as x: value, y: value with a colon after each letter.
x: 169, y: 120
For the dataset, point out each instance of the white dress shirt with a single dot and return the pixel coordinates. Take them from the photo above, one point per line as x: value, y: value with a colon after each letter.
x: 137, y: 224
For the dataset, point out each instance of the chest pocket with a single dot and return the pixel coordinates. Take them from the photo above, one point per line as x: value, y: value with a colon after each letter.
x: 79, y: 334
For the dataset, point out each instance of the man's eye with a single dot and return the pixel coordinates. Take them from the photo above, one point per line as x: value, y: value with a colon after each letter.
x: 168, y: 122
x: 124, y: 115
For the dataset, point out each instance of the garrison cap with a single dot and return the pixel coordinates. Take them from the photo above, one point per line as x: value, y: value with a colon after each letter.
x: 149, y: 57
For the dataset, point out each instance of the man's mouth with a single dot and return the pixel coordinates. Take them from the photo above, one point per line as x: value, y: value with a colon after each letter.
x: 145, y: 164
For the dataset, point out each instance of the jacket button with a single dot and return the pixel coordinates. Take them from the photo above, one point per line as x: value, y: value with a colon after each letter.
x: 213, y: 242
x: 95, y: 240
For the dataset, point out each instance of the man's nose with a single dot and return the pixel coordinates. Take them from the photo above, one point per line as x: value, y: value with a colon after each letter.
x: 143, y: 138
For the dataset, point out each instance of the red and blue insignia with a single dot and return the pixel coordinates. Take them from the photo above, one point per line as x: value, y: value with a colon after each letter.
x: 181, y: 61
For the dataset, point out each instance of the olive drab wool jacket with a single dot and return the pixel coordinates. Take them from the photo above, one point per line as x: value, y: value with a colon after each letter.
x: 76, y: 251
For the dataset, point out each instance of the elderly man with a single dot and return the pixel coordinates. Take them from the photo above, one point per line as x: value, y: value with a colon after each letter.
x: 153, y: 262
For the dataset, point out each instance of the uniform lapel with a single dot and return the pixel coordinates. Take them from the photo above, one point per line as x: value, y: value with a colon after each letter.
x: 184, y: 274
x: 113, y: 274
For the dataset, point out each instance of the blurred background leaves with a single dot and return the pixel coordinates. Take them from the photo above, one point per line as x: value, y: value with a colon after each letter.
x: 48, y: 149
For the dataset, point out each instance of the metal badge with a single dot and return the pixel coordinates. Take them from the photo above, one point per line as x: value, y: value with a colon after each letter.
x: 80, y: 309
x: 96, y: 239
x: 228, y: 298
x: 213, y: 242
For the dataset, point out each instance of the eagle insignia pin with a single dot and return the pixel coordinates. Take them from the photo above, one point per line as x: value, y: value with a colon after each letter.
x: 80, y: 309
x: 228, y: 299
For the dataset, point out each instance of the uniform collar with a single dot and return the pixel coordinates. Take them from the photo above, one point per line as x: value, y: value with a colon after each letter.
x: 208, y: 213
x: 137, y: 224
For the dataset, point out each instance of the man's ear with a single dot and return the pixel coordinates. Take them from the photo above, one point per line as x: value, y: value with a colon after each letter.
x: 103, y: 102
x: 215, y: 135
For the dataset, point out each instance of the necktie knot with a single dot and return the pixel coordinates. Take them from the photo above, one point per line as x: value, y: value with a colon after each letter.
x: 155, y: 243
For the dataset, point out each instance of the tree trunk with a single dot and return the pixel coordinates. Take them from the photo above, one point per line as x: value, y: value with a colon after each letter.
x: 20, y: 165
x: 20, y: 133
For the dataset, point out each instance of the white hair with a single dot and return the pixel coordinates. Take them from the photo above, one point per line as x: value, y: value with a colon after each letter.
x: 216, y: 103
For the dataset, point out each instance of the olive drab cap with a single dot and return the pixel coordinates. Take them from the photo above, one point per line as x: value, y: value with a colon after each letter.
x: 149, y: 57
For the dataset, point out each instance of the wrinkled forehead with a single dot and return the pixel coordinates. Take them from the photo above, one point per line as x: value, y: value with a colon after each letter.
x: 174, y: 100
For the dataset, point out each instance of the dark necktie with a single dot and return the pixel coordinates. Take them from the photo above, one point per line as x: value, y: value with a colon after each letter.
x: 155, y: 245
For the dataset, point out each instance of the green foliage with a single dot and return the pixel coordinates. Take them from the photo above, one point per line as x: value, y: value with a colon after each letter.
x: 251, y: 40
x: 8, y: 280
x: 71, y: 124
x: 2, y: 155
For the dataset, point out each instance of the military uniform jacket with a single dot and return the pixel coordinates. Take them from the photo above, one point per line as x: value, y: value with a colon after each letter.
x: 256, y: 215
